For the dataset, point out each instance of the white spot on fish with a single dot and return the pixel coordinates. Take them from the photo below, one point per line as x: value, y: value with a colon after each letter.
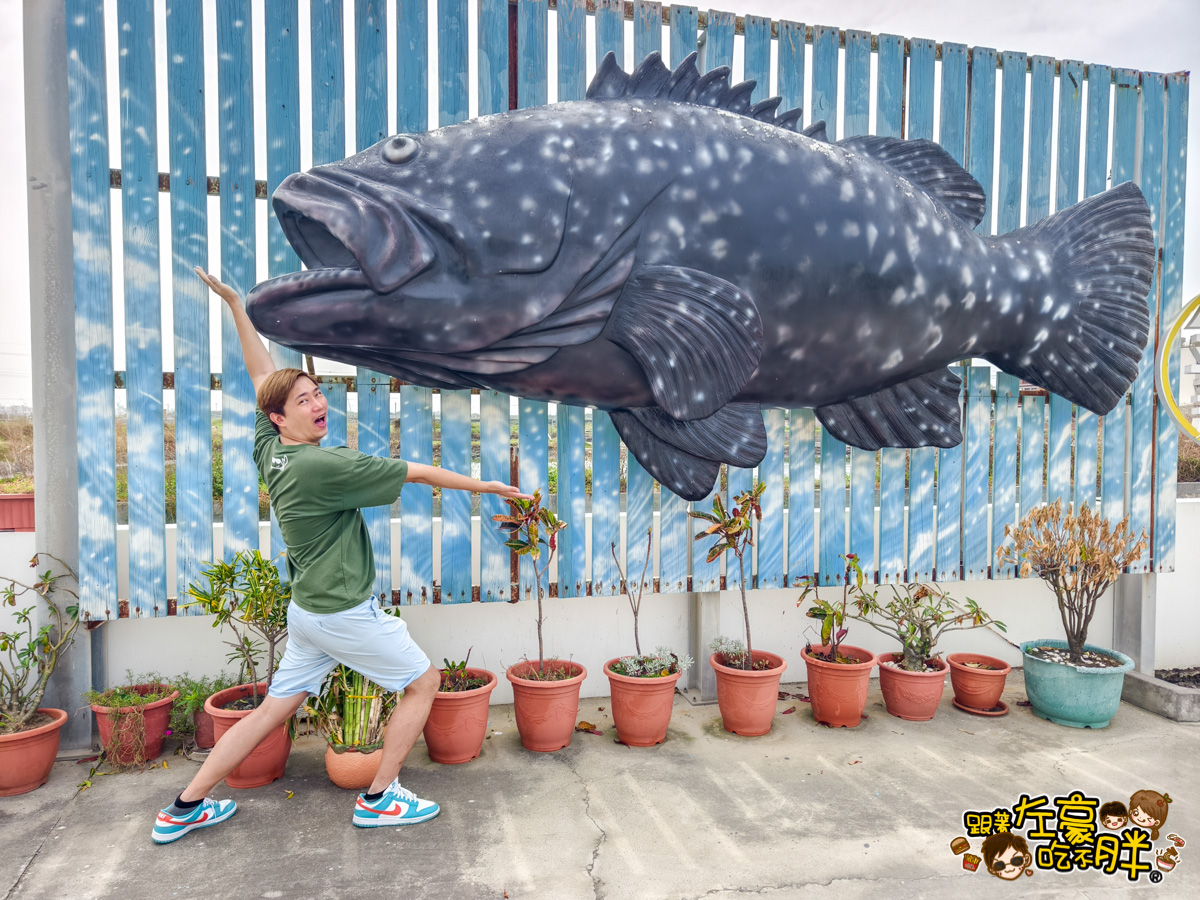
x: 967, y: 277
x: 820, y: 228
x: 899, y: 295
x: 847, y: 190
x: 888, y: 261
x: 872, y: 233
x: 707, y: 217
x: 528, y: 204
x: 894, y: 359
x: 969, y: 300
x: 1047, y: 304
x: 645, y: 166
x: 719, y: 248
x: 850, y: 230
x: 941, y: 302
x: 1006, y: 302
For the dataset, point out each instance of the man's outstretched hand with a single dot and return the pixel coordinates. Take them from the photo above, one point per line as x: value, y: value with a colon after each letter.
x: 222, y: 290
x: 506, y: 491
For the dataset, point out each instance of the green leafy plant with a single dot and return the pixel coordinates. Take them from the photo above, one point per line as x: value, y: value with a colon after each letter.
x: 917, y: 616
x: 531, y: 527
x: 192, y: 694
x: 31, y: 652
x: 1078, y: 555
x: 456, y: 678
x: 734, y: 531
x: 247, y: 594
x: 659, y: 664
x: 351, y: 711
x: 832, y: 616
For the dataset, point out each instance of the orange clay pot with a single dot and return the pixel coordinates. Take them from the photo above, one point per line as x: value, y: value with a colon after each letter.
x: 352, y: 769
x: 977, y: 688
x: 268, y: 760
x: 205, y: 736
x: 838, y: 691
x: 641, y: 707
x: 135, y: 741
x: 457, y: 723
x: 546, y: 710
x: 911, y: 695
x: 747, y: 698
x: 27, y: 757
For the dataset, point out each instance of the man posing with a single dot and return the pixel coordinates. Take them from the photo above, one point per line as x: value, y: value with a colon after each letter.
x: 317, y: 494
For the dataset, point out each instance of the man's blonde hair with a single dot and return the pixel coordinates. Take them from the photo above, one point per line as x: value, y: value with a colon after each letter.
x: 274, y: 391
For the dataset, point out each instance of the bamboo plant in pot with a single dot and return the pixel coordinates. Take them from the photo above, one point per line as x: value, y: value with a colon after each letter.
x: 838, y: 674
x: 248, y: 595
x: 457, y: 723
x: 747, y: 679
x: 351, y: 713
x: 1079, y: 556
x: 917, y: 615
x: 546, y: 693
x: 29, y: 654
x: 642, y: 686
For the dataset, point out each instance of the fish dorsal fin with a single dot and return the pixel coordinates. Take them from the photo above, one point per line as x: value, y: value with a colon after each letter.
x: 816, y: 131
x: 928, y: 166
x: 922, y: 412
x: 685, y: 84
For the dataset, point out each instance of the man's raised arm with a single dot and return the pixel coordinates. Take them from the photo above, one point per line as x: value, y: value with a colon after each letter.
x: 258, y: 361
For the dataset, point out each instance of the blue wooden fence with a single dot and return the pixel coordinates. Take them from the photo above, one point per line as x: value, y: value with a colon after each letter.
x: 925, y: 514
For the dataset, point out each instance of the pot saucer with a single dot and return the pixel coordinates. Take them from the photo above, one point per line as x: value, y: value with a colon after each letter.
x: 1001, y: 710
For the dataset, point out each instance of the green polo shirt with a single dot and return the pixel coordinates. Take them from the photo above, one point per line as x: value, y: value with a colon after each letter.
x: 317, y: 494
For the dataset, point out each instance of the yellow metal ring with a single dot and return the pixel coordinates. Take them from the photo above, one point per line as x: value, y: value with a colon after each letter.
x: 1162, y: 374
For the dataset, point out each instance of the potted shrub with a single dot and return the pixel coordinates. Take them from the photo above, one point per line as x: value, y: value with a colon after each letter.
x: 917, y: 615
x: 248, y: 595
x: 747, y: 679
x: 133, y: 719
x: 457, y: 723
x: 545, y: 694
x: 838, y: 674
x: 189, y: 720
x: 29, y: 732
x: 1078, y: 556
x: 642, y: 687
x: 351, y: 713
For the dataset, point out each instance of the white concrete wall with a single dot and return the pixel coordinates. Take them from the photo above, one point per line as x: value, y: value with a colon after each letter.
x: 592, y: 630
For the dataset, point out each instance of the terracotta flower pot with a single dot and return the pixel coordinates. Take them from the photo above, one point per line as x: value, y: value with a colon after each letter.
x: 27, y: 757
x: 641, y: 707
x: 268, y: 760
x: 134, y: 734
x: 911, y: 695
x: 546, y: 710
x: 205, y: 736
x: 352, y: 769
x: 977, y: 688
x: 747, y: 698
x: 838, y: 691
x: 457, y: 723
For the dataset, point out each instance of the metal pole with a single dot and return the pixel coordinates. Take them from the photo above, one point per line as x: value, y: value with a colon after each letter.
x: 52, y: 307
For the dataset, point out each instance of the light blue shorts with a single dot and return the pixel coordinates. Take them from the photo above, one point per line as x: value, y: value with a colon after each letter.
x: 364, y: 638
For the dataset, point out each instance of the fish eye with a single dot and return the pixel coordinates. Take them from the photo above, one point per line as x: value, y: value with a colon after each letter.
x: 399, y: 149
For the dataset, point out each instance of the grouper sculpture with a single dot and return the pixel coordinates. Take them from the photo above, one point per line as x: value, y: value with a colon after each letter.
x: 668, y: 252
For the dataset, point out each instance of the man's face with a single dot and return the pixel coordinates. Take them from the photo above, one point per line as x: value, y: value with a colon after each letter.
x: 1009, y: 864
x: 1114, y: 822
x: 303, y: 419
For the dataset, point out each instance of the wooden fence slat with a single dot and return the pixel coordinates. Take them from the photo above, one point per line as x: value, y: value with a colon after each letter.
x: 857, y: 112
x: 572, y: 49
x: 757, y: 56
x: 416, y: 500
x: 952, y: 132
x: 610, y: 30
x: 1032, y: 470
x: 647, y: 30
x: 862, y: 508
x: 981, y: 137
x: 493, y: 56
x: 1012, y: 141
x: 570, y: 427
x: 235, y: 74
x: 1004, y: 465
x: 456, y: 565
x: 791, y: 62
x: 706, y: 576
x: 606, y: 503
x: 684, y: 37
x: 738, y: 480
x: 769, y: 539
x: 412, y: 64
x: 328, y: 82
x: 832, y: 479
x: 718, y: 45
x: 495, y: 464
x: 190, y: 298
x: 639, y: 521
x: 889, y: 98
x: 335, y: 415
x: 948, y: 555
x: 825, y: 78
x: 978, y: 439
x: 921, y: 463
x: 920, y: 88
x: 143, y: 321
x: 1173, y: 220
x: 802, y: 436
x: 674, y: 529
x: 90, y: 226
x: 1041, y: 128
x: 533, y: 442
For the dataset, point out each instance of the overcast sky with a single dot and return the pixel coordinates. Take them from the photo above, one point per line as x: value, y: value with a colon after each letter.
x: 1157, y: 35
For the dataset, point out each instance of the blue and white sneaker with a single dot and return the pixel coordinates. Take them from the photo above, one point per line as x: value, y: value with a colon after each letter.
x: 397, y: 806
x: 172, y: 826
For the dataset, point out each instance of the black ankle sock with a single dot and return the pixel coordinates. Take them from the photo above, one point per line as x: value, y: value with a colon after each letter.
x: 371, y: 798
x: 180, y: 803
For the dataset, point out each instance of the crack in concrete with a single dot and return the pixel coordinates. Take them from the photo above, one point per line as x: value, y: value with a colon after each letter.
x: 597, y: 883
x: 12, y: 891
x: 801, y: 885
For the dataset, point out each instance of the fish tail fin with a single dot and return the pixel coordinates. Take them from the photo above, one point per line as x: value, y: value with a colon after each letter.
x: 1087, y: 320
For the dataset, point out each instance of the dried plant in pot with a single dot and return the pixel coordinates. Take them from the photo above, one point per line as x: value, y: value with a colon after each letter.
x: 351, y: 713
x: 133, y: 719
x: 29, y: 653
x: 839, y: 675
x: 917, y: 615
x: 545, y: 694
x: 457, y: 723
x: 1079, y: 555
x: 747, y: 679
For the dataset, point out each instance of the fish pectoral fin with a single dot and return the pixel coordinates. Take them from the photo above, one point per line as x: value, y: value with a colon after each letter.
x: 930, y: 167
x: 688, y: 476
x: 697, y: 337
x: 921, y: 412
x: 734, y: 434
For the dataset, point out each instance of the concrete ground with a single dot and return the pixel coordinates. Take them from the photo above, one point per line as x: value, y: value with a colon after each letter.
x: 804, y: 811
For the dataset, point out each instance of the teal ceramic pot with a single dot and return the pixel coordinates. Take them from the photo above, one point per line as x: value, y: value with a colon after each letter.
x: 1074, y: 695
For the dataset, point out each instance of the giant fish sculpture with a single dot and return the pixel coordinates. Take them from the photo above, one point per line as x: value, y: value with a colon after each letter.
x: 670, y: 253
